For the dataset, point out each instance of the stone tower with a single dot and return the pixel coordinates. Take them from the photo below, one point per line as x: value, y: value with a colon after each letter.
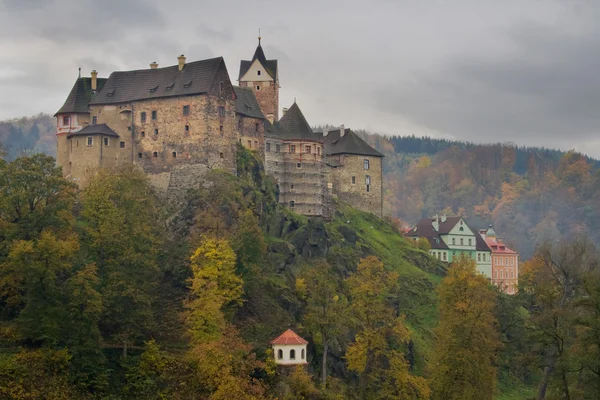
x: 261, y: 75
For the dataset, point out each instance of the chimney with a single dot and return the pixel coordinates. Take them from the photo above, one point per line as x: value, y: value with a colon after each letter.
x: 342, y: 131
x: 153, y: 65
x: 436, y: 223
x: 270, y: 118
x: 94, y: 80
x: 325, y: 132
x: 181, y: 61
x: 283, y: 111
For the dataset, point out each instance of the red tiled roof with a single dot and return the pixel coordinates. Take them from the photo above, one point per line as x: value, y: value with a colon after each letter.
x: 289, y: 337
x: 498, y: 247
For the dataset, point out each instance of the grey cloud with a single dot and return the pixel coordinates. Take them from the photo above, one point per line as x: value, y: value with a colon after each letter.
x: 222, y: 35
x: 547, y: 88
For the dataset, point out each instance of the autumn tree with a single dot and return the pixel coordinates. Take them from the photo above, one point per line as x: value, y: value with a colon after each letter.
x: 376, y: 355
x: 467, y: 339
x: 326, y: 307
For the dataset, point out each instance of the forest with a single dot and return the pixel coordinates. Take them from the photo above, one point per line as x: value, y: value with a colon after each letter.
x: 111, y: 292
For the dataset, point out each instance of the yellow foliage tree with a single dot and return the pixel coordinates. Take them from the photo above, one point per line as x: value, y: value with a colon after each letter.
x: 376, y: 356
x: 463, y: 363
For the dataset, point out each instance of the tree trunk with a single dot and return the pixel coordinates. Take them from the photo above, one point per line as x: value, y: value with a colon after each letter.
x: 324, y: 362
x: 565, y: 385
x: 125, y: 350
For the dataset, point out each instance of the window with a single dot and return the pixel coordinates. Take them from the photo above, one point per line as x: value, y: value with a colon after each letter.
x: 461, y: 229
x: 292, y: 148
x: 368, y: 179
x: 478, y: 256
x: 155, y: 154
x: 461, y: 241
x: 302, y: 354
x: 292, y: 186
x: 154, y: 115
x: 483, y: 256
x: 90, y: 141
x: 298, y: 165
x: 354, y: 180
x: 174, y: 154
x: 496, y: 274
x: 257, y: 87
x: 512, y: 274
x: 250, y: 143
x: 143, y: 134
x: 122, y: 145
x: 220, y: 155
x: 66, y: 121
x: 187, y: 129
x: 470, y: 242
x: 501, y: 274
x: 500, y: 259
x: 106, y: 141
x: 318, y: 150
x: 221, y: 88
x: 221, y: 111
x: 366, y: 163
x: 279, y: 354
x: 277, y: 148
x: 453, y: 240
x: 292, y: 204
x: 77, y: 145
x: 139, y: 155
x: 307, y: 149
x: 258, y: 72
x: 221, y: 129
x: 156, y: 132
x: 255, y: 127
x: 240, y: 123
x: 444, y: 256
x: 268, y: 148
x: 256, y: 144
x: 292, y: 354
x: 505, y: 260
x: 186, y: 110
x: 94, y: 120
x: 143, y: 117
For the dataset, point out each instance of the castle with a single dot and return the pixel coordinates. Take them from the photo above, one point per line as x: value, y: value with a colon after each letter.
x: 178, y: 122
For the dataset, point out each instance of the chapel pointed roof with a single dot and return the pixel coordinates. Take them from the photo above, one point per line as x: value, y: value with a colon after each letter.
x: 288, y: 337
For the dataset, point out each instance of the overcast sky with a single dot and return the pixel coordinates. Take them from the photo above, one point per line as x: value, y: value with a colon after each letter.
x: 522, y: 71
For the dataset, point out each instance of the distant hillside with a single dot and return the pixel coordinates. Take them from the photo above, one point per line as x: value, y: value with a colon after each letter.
x: 29, y: 135
x: 530, y: 194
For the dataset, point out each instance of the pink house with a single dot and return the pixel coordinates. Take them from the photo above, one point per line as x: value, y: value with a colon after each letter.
x: 505, y: 262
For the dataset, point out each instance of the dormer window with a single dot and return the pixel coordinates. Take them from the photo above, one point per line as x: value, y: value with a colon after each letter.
x: 188, y: 84
x: 154, y: 89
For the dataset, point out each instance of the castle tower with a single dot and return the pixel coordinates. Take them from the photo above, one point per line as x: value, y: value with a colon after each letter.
x: 261, y: 75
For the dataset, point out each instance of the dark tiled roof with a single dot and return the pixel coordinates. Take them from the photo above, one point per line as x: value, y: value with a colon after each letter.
x: 350, y: 143
x: 259, y: 54
x: 98, y: 129
x: 425, y: 229
x: 124, y: 86
x: 246, y: 103
x: 80, y: 96
x: 480, y: 243
x: 292, y: 126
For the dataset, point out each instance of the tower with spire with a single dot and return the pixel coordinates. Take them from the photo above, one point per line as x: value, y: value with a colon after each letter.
x: 262, y: 76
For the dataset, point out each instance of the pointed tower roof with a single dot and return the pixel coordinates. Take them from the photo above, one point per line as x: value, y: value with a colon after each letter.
x: 292, y: 126
x: 80, y: 96
x: 269, y: 65
x: 289, y: 337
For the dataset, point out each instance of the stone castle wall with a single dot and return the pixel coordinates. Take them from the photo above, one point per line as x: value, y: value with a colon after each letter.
x: 267, y: 96
x: 356, y: 194
x: 252, y: 134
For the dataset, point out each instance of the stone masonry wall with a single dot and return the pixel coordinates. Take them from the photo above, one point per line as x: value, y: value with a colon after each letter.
x: 267, y: 96
x: 356, y: 194
x: 252, y: 133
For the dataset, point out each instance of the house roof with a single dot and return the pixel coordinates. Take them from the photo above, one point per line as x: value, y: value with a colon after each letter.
x: 246, y: 103
x: 289, y: 337
x: 350, y: 143
x: 98, y: 129
x: 195, y: 78
x: 496, y: 246
x: 80, y: 96
x: 269, y: 65
x: 425, y: 229
x: 292, y: 126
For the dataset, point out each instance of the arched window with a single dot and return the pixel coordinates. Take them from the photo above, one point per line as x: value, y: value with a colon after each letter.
x: 302, y: 354
x: 292, y: 354
x: 279, y: 354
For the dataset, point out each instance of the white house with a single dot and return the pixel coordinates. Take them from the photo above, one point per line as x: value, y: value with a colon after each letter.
x: 289, y: 349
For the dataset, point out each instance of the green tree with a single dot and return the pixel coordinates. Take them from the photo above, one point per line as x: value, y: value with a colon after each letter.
x: 326, y: 308
x: 467, y: 338
x: 120, y: 234
x: 381, y: 335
